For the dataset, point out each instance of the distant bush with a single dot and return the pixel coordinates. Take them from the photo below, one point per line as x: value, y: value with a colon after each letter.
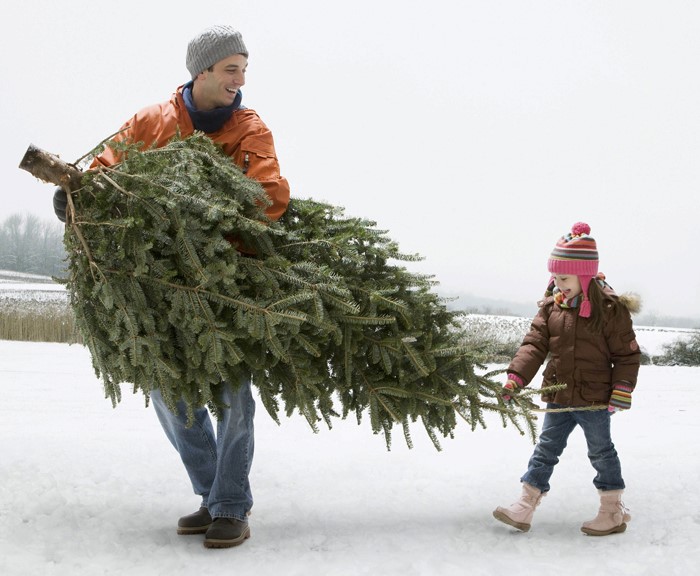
x: 497, y: 337
x: 680, y: 353
x: 646, y: 358
x: 48, y: 323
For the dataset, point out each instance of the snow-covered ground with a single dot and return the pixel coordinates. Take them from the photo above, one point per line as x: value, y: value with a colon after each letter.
x: 17, y: 288
x: 10, y: 276
x: 86, y: 489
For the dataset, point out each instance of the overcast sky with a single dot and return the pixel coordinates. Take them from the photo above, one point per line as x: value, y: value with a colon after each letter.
x: 475, y: 132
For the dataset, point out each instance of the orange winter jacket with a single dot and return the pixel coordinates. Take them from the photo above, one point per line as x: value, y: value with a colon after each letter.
x: 244, y: 137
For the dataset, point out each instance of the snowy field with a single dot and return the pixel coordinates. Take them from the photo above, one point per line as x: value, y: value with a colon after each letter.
x: 86, y: 489
x: 29, y: 291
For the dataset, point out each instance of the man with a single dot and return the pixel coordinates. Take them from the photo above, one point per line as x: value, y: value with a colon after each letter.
x: 218, y: 465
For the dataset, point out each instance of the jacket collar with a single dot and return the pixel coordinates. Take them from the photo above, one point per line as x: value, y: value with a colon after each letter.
x: 208, y: 121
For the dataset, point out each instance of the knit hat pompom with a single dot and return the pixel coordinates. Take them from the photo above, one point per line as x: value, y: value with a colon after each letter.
x: 212, y: 45
x: 576, y: 254
x: 580, y: 228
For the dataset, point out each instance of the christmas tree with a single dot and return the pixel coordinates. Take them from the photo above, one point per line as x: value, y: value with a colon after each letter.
x: 179, y: 282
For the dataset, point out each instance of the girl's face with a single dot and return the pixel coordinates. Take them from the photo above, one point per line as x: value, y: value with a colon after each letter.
x: 569, y: 286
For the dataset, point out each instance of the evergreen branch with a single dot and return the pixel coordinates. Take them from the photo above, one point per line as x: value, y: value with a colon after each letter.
x: 415, y: 358
x: 322, y: 314
x: 237, y: 302
x: 401, y: 393
x: 368, y: 320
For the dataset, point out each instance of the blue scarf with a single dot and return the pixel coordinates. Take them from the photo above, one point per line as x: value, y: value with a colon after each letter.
x: 209, y: 121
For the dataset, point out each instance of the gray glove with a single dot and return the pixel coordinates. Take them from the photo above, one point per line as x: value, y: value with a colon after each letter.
x: 59, y: 203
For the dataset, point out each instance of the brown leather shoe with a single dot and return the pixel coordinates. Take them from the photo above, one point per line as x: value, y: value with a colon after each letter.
x: 226, y: 532
x: 196, y: 523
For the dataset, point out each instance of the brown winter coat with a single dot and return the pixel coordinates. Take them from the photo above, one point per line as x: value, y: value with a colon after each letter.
x: 588, y: 363
x: 244, y: 137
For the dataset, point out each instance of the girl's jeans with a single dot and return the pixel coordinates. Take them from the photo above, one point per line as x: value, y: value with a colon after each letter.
x: 219, y: 465
x: 601, y: 451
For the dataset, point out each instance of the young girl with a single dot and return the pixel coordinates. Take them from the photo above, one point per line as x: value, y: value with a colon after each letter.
x: 585, y: 332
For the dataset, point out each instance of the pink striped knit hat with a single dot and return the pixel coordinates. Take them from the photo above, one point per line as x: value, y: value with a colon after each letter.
x: 576, y: 254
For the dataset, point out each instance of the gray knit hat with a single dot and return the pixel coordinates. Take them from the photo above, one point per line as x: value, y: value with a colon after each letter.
x: 212, y: 45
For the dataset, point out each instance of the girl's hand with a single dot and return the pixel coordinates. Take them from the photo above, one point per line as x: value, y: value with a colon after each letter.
x: 621, y: 397
x: 511, y: 387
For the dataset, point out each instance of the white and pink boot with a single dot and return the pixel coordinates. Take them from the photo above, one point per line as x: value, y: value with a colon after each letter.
x: 612, y: 516
x: 520, y: 513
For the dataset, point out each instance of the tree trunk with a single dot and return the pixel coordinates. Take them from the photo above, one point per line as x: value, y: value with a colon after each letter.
x: 50, y: 168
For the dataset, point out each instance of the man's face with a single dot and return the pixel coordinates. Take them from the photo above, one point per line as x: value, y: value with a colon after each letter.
x: 218, y: 87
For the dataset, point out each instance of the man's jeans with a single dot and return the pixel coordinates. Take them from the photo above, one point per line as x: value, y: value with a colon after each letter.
x: 555, y: 432
x: 219, y: 465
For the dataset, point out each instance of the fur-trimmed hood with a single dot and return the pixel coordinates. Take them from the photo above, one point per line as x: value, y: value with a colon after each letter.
x: 632, y: 301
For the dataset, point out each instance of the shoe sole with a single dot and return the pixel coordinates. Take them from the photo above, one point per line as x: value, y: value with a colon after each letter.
x: 188, y: 531
x: 500, y: 516
x: 617, y: 530
x: 219, y: 543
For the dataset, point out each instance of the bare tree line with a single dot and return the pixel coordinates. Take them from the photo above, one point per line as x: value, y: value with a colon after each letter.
x: 29, y: 244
